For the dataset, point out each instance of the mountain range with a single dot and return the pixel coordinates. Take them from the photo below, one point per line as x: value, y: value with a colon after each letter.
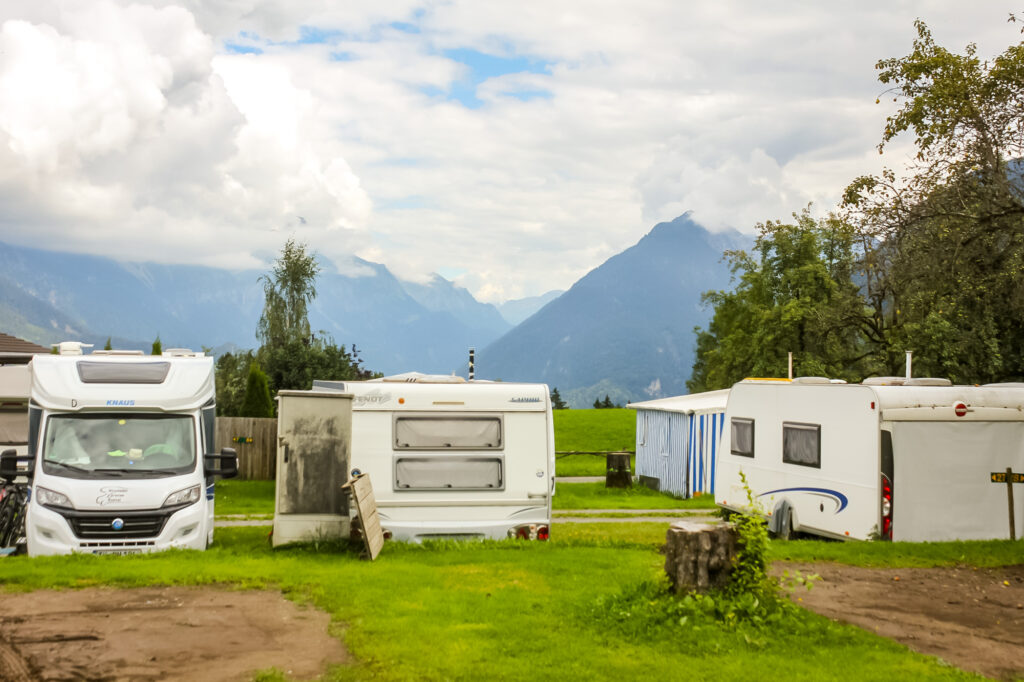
x: 623, y: 330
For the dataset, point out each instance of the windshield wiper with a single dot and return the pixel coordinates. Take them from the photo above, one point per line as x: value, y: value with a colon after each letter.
x: 69, y: 467
x: 111, y: 471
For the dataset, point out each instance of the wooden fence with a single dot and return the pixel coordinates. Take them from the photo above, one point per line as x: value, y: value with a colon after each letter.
x: 255, y: 441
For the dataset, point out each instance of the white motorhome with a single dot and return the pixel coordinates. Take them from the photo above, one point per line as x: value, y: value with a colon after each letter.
x: 454, y: 459
x: 117, y: 449
x: 888, y: 459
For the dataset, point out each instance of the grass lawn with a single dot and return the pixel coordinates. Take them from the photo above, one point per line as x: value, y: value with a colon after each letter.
x: 902, y: 554
x: 248, y: 498
x: 596, y: 496
x: 592, y: 430
x: 589, y: 604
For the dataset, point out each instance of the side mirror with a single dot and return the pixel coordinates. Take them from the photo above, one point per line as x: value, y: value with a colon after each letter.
x: 224, y: 465
x: 12, y: 465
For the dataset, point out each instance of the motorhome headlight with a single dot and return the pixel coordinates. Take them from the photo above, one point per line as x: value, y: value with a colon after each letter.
x: 185, y: 496
x: 49, y: 498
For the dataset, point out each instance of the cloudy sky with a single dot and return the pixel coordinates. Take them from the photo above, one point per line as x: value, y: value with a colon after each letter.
x: 511, y: 147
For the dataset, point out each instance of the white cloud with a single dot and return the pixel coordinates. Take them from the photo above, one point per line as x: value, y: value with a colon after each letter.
x: 132, y: 129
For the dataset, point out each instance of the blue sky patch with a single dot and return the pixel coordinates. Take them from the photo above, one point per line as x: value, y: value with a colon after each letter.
x: 236, y: 48
x: 483, y: 66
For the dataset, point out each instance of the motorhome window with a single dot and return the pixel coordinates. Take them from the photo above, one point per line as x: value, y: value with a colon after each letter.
x: 14, y: 425
x: 119, y: 445
x: 801, y: 444
x: 122, y: 372
x: 35, y: 417
x: 742, y: 432
x: 448, y: 473
x: 209, y: 428
x: 447, y: 432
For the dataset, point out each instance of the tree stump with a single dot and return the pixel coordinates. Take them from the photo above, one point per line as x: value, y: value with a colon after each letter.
x: 618, y: 474
x: 699, y: 556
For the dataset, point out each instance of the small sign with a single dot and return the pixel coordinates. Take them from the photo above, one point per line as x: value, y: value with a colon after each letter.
x: 1001, y: 477
x: 242, y: 439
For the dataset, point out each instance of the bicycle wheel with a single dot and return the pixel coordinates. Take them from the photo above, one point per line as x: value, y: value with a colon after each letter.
x: 8, y: 520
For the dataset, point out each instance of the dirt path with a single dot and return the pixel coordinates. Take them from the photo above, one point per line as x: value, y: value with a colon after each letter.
x: 972, y: 618
x: 161, y: 633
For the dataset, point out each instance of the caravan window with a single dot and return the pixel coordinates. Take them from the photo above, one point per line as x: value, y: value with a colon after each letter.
x: 448, y: 473
x: 742, y: 431
x: 801, y: 444
x: 448, y: 432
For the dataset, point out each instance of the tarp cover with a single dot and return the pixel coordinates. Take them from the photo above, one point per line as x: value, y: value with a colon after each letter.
x: 942, y: 479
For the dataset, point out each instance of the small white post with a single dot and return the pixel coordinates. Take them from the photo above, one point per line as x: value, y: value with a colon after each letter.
x: 910, y: 354
x: 790, y: 365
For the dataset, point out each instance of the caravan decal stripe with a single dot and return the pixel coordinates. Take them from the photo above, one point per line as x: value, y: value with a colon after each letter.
x: 839, y: 497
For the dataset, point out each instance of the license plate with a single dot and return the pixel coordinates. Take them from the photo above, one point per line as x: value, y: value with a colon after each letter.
x: 117, y: 551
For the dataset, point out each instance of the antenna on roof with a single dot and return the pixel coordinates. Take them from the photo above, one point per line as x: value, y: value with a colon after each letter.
x: 472, y: 363
x: 910, y: 355
x: 790, y: 365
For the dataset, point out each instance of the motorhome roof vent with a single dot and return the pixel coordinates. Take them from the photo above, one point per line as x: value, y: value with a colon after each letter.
x: 420, y: 378
x: 884, y: 381
x: 182, y: 353
x: 116, y: 352
x: 812, y: 380
x: 122, y: 373
x: 927, y: 381
x: 71, y: 347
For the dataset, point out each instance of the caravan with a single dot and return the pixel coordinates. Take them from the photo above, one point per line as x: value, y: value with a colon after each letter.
x: 117, y: 453
x: 890, y: 459
x: 454, y: 459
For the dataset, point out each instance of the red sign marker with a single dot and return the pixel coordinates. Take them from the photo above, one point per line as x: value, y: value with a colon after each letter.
x: 959, y: 409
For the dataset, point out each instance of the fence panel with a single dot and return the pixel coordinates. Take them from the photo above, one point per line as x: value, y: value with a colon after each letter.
x: 255, y: 441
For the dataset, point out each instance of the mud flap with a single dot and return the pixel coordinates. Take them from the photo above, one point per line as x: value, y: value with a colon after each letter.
x: 780, y: 524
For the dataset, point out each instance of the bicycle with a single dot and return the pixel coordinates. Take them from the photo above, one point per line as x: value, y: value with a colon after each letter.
x: 13, y: 505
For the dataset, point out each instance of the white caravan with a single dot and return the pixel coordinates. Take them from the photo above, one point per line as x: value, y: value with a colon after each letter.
x: 117, y: 457
x: 888, y: 459
x: 454, y: 459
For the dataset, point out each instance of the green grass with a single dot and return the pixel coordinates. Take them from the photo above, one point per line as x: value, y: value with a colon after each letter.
x: 592, y: 430
x: 596, y: 496
x: 248, y: 498
x: 590, y: 605
x: 902, y: 554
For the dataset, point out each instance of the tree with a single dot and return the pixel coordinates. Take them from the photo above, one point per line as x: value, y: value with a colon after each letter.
x: 947, y: 238
x: 108, y: 345
x: 556, y: 400
x: 158, y: 348
x: 794, y: 293
x: 257, y: 401
x: 607, y: 403
x: 288, y: 291
x: 231, y: 378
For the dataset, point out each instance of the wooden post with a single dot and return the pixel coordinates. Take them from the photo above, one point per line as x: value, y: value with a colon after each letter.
x: 699, y: 556
x: 1009, y: 496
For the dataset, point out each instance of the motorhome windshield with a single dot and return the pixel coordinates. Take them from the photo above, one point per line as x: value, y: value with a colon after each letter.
x: 119, y: 445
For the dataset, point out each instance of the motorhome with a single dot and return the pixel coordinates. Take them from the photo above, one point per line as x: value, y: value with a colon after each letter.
x: 120, y: 453
x: 892, y: 459
x: 450, y: 458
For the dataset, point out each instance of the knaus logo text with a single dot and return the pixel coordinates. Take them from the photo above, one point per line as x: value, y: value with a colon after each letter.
x: 524, y: 400
x: 374, y: 397
x: 111, y: 496
x: 120, y: 403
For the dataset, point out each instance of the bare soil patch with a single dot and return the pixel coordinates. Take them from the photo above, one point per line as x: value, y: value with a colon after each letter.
x: 161, y: 633
x: 972, y: 618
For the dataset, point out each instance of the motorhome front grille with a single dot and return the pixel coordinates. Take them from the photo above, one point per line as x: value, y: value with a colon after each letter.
x: 111, y: 526
x: 117, y: 545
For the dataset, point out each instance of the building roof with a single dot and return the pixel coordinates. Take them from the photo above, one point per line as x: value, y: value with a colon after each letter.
x: 709, y: 401
x: 13, y: 349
